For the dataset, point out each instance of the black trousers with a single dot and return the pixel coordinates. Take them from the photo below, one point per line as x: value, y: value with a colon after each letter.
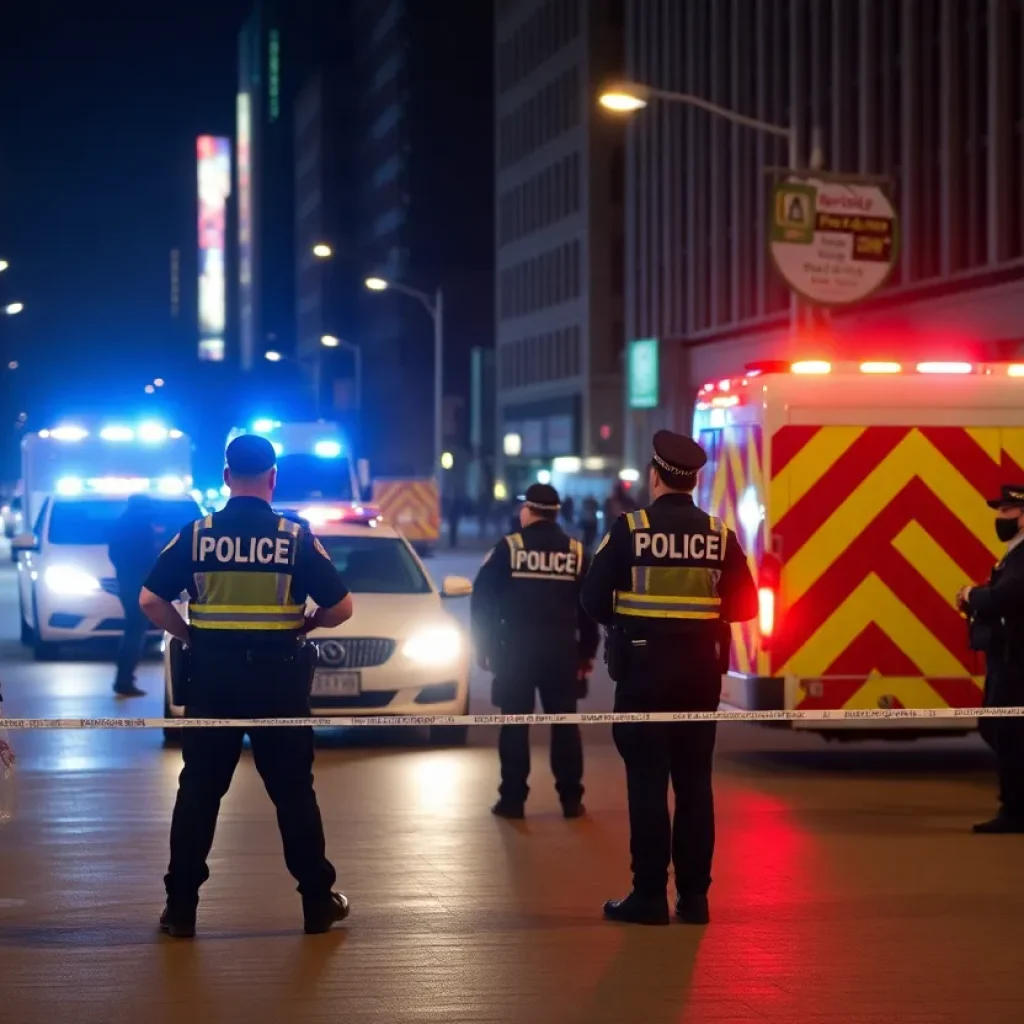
x: 133, y: 640
x: 1004, y: 688
x: 283, y: 757
x: 518, y: 696
x: 654, y: 755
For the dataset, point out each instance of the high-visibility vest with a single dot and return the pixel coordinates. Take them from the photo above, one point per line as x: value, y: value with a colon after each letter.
x: 675, y: 569
x: 244, y: 581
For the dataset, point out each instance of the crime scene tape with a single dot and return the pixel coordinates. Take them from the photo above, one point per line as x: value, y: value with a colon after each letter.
x: 579, y: 718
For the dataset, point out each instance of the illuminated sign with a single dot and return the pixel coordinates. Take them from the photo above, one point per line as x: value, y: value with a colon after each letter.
x: 642, y: 373
x: 274, y: 78
x: 214, y: 181
x: 243, y: 154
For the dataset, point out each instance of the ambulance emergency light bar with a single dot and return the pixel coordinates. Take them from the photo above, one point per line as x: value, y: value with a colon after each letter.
x: 724, y: 394
x: 74, y: 486
x: 322, y: 515
x: 147, y: 433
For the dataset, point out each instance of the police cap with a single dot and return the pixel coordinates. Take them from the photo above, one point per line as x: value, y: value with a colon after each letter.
x: 542, y: 498
x: 678, y: 456
x: 1011, y: 496
x: 250, y: 455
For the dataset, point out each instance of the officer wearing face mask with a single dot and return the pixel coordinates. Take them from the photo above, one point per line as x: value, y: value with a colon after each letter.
x: 995, y: 612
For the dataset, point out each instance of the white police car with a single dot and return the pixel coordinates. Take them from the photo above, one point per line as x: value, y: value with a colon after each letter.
x: 67, y: 590
x: 401, y: 653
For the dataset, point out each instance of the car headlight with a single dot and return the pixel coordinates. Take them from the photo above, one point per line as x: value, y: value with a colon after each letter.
x: 438, y: 645
x: 66, y: 579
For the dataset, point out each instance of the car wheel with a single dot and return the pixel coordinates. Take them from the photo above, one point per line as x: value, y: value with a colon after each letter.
x: 449, y: 735
x: 28, y: 634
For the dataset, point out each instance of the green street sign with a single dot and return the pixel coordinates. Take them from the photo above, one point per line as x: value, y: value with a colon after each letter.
x: 642, y: 373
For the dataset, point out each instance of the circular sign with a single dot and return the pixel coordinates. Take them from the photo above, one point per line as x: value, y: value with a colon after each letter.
x: 834, y: 242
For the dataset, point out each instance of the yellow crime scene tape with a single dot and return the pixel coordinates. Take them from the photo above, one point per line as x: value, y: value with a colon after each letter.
x: 580, y: 718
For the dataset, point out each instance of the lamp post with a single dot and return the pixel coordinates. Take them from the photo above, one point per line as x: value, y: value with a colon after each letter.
x: 14, y: 308
x: 327, y: 341
x: 434, y: 305
x: 630, y: 97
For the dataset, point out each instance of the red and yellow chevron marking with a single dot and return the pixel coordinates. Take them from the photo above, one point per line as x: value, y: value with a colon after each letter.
x: 735, y: 455
x: 879, y: 527
x: 411, y: 506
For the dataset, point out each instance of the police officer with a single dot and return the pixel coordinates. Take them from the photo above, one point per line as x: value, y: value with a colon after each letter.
x: 996, y: 614
x: 248, y: 573
x: 532, y: 633
x: 664, y: 580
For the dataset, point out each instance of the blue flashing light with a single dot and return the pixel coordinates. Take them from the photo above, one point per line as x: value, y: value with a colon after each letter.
x: 263, y: 426
x: 278, y: 447
x: 69, y: 486
x: 117, y: 434
x: 327, y: 449
x: 212, y: 494
x: 152, y: 433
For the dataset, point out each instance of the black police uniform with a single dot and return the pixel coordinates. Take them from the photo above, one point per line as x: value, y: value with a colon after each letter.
x: 997, y: 627
x: 248, y: 572
x: 529, y: 625
x: 664, y: 580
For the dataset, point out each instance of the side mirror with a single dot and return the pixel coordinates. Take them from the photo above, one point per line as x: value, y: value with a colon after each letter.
x: 24, y: 542
x: 456, y: 586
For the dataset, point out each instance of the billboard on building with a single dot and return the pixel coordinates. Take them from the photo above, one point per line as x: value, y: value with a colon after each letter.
x: 243, y: 143
x: 214, y: 186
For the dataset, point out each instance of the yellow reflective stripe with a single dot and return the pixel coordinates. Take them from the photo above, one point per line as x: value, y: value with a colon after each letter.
x: 577, y: 548
x: 262, y: 609
x: 631, y: 521
x: 515, y: 543
x: 246, y: 625
x: 645, y: 521
x: 725, y: 538
x: 195, y: 539
x: 660, y: 613
x: 642, y: 598
x: 675, y: 581
x: 208, y: 523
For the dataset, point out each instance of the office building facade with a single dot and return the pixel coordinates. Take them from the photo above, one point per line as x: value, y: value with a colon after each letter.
x: 558, y: 238
x: 929, y: 96
x: 421, y: 154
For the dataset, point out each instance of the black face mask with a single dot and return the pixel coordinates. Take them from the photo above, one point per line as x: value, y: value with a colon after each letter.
x: 1007, y: 529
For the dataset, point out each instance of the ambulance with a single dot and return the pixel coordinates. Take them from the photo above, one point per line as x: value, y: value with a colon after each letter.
x: 859, y: 492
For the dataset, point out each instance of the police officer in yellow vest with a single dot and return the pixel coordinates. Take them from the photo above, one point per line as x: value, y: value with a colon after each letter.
x: 532, y: 633
x: 247, y: 572
x: 664, y: 580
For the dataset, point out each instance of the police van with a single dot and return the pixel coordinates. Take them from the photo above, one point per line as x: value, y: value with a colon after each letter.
x: 859, y: 493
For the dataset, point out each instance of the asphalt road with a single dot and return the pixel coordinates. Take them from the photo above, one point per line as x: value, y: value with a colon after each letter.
x: 848, y: 888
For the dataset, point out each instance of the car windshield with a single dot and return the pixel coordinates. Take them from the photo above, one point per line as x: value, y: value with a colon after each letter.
x: 376, y: 565
x: 92, y: 522
x: 304, y: 477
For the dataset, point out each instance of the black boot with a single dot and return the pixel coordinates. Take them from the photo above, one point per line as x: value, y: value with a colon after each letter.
x: 574, y: 809
x: 506, y: 809
x: 637, y: 909
x: 692, y: 909
x: 1001, y: 824
x: 179, y: 920
x: 321, y: 915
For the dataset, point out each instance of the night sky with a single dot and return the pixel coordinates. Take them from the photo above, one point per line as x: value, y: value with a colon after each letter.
x: 100, y: 104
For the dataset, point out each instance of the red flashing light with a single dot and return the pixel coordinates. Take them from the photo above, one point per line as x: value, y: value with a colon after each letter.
x: 939, y: 367
x: 724, y: 385
x: 766, y: 611
x: 811, y: 366
x: 1015, y: 370
x: 881, y: 367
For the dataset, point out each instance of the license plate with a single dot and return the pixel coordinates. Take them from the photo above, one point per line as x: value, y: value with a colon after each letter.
x: 336, y: 684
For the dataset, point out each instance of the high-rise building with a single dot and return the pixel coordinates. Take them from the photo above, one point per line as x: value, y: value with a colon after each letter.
x: 927, y: 95
x: 271, y: 57
x: 421, y: 154
x: 558, y: 241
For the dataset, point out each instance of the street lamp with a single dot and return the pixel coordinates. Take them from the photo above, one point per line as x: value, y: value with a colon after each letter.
x: 273, y: 357
x: 330, y: 341
x: 434, y: 305
x: 14, y: 308
x: 3, y: 265
x: 322, y: 251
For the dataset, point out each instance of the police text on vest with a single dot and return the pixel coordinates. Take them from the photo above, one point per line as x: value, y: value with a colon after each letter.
x: 246, y: 550
x: 698, y: 546
x: 559, y: 563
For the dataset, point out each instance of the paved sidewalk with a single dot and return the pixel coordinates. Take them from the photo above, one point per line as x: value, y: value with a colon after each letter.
x: 848, y: 891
